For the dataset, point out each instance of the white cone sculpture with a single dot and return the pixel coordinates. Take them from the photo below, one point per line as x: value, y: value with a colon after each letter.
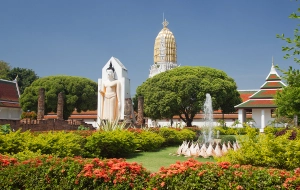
x: 210, y: 150
x: 229, y: 145
x: 218, y: 152
x: 203, y: 151
x: 224, y: 149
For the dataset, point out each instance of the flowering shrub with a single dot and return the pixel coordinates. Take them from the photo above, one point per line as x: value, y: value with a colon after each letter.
x: 195, y: 175
x: 112, y: 174
x: 49, y: 172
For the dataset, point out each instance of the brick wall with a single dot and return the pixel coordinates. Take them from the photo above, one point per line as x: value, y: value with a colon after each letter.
x: 44, y: 125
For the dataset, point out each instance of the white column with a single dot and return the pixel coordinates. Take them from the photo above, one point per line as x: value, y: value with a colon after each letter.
x: 262, y: 121
x: 241, y: 116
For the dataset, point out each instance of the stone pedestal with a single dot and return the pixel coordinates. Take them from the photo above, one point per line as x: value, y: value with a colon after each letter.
x: 60, y: 106
x: 41, y: 104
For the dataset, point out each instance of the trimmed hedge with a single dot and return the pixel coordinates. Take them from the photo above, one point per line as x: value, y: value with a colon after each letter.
x: 111, y: 144
x: 90, y: 144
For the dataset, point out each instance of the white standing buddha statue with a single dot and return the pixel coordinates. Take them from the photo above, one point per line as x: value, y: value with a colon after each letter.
x: 113, y: 93
x: 111, y: 99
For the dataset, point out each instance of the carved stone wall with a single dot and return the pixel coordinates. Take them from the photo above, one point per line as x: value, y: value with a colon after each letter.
x: 44, y: 125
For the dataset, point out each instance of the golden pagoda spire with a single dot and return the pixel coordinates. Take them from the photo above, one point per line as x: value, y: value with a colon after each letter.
x: 165, y: 23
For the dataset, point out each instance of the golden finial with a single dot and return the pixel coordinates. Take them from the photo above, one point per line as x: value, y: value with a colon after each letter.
x: 165, y: 23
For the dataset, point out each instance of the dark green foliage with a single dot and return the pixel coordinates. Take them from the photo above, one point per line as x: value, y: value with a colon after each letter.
x: 79, y: 93
x: 149, y: 141
x: 110, y: 144
x: 175, y: 136
x: 24, y: 77
x: 228, y: 138
x: 182, y: 91
x: 4, y: 70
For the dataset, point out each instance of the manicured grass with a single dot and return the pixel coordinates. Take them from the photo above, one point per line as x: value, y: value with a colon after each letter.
x: 153, y: 161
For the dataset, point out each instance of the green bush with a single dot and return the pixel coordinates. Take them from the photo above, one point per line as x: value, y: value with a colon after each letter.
x: 26, y: 155
x: 272, y: 130
x: 149, y: 141
x: 59, y: 143
x: 15, y: 142
x: 186, y: 135
x: 110, y: 144
x: 228, y: 138
x: 230, y: 130
x: 170, y: 136
x: 268, y: 151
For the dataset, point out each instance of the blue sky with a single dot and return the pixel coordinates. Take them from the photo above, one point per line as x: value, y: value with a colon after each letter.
x: 78, y: 37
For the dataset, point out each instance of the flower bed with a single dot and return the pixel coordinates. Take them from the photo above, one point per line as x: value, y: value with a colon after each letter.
x: 47, y: 172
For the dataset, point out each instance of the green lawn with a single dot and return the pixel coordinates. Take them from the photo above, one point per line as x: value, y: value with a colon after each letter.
x: 155, y: 160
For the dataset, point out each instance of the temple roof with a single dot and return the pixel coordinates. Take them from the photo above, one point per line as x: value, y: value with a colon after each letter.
x: 264, y: 94
x: 272, y: 85
x: 9, y: 93
x: 264, y: 98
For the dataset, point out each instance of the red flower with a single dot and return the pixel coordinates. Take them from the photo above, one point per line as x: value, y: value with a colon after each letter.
x: 201, y: 173
x: 162, y: 184
x: 224, y: 165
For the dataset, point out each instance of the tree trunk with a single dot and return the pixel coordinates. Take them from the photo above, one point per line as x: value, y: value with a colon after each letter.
x: 189, y: 122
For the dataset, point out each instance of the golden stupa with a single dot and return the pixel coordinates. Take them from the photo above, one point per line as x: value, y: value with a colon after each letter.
x: 165, y: 46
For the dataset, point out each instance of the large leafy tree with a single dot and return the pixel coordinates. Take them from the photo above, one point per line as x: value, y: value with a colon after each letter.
x: 288, y: 100
x: 182, y: 91
x: 4, y: 69
x: 24, y: 77
x: 79, y: 93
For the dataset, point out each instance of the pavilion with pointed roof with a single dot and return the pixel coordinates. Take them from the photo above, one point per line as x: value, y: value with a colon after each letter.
x: 262, y: 103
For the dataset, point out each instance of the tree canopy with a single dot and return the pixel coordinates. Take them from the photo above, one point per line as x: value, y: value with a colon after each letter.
x: 4, y: 69
x: 182, y: 91
x: 79, y: 93
x: 24, y: 76
x: 288, y: 100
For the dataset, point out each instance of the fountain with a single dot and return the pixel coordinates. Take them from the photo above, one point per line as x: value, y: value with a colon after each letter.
x: 209, y: 145
x: 208, y: 120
